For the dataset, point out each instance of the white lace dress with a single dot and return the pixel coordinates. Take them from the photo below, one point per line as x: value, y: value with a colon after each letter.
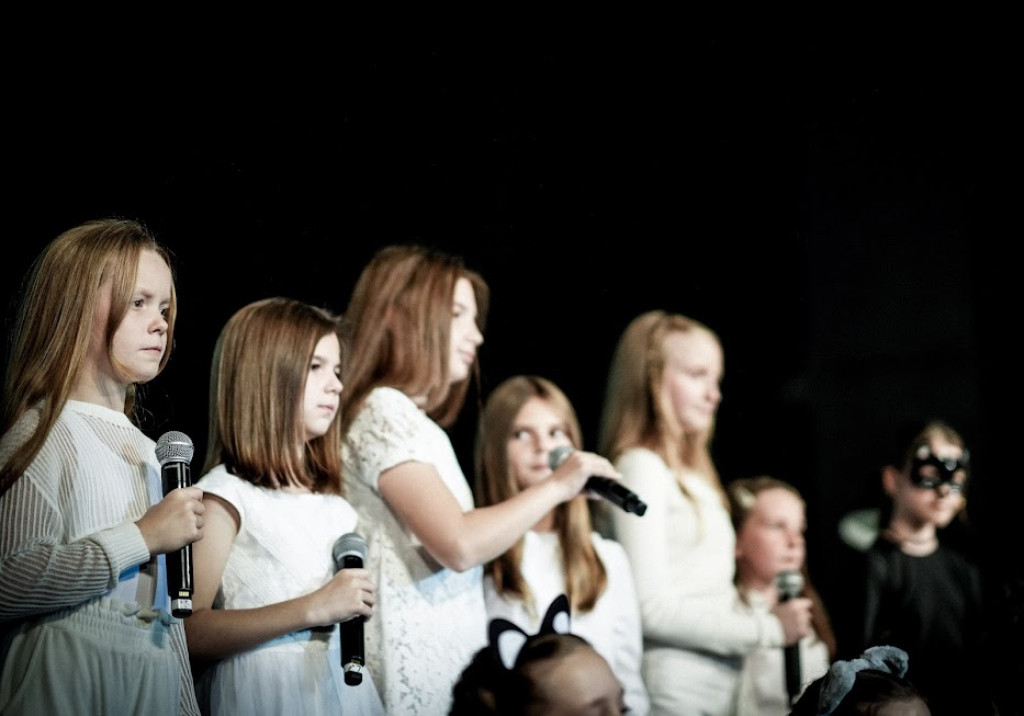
x: 283, y: 550
x: 429, y: 620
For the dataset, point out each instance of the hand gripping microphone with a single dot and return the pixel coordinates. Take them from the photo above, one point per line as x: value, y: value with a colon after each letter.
x: 790, y: 584
x: 609, y: 489
x: 174, y: 450
x: 350, y: 551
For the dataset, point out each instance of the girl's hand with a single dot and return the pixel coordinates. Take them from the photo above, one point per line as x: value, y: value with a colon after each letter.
x: 349, y: 594
x: 795, y: 615
x: 577, y: 467
x: 175, y: 521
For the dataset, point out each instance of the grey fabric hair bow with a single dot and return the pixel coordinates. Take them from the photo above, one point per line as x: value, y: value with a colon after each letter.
x: 842, y: 674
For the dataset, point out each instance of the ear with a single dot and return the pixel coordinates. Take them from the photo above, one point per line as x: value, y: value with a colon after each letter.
x: 556, y: 621
x: 506, y: 639
x: 890, y: 480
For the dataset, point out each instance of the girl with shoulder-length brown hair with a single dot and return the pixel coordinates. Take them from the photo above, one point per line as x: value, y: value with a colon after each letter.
x: 416, y: 320
x: 262, y: 354
x: 663, y: 393
x: 525, y: 418
x: 268, y: 595
x: 84, y: 523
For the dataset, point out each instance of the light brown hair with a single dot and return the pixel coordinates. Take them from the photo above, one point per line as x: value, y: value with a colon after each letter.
x: 585, y: 575
x: 743, y: 494
x: 257, y: 381
x: 635, y: 411
x: 399, y: 324
x: 54, y: 325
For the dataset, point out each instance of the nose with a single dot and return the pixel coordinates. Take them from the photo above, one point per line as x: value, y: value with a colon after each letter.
x: 160, y: 324
x: 715, y: 392
x: 334, y: 385
x: 475, y: 334
x: 545, y: 443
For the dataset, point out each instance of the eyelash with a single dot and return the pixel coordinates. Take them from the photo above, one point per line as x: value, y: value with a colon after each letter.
x: 141, y: 302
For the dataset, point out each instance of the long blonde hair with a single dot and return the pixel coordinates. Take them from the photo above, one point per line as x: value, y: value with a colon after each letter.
x: 636, y: 412
x: 54, y: 326
x: 257, y: 381
x: 399, y: 324
x: 585, y: 575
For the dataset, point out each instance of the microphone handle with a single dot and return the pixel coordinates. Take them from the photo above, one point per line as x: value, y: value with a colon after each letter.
x: 615, y: 493
x: 792, y: 657
x: 352, y: 658
x: 179, y: 563
x: 793, y: 671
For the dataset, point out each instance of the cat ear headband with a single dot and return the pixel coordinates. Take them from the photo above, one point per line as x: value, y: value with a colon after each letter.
x: 507, y: 639
x: 842, y: 674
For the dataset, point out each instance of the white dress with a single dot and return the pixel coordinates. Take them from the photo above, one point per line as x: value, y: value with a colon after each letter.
x: 83, y: 620
x: 682, y: 554
x: 763, y: 680
x: 429, y: 621
x: 283, y: 550
x: 612, y: 626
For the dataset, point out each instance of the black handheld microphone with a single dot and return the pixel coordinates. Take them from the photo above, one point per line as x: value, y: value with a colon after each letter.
x: 174, y: 450
x: 350, y: 551
x: 609, y: 489
x: 790, y: 584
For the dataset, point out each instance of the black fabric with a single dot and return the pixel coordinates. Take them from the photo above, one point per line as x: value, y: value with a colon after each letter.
x: 931, y: 607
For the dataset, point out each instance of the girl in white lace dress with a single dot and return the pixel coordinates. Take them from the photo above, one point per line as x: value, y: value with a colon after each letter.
x: 84, y: 524
x: 268, y: 598
x: 415, y: 320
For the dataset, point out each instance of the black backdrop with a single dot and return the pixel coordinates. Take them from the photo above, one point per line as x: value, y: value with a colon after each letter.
x: 833, y: 207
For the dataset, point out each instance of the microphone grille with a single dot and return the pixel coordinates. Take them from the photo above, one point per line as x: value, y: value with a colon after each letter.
x: 349, y: 544
x: 790, y: 584
x: 174, y: 447
x: 557, y: 456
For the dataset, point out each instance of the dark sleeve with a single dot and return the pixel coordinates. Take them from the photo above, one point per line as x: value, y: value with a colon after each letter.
x: 873, y: 629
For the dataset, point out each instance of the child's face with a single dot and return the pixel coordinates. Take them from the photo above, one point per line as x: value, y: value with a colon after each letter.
x: 691, y: 383
x: 937, y: 505
x: 465, y: 336
x: 578, y: 684
x: 771, y: 539
x: 323, y: 387
x: 141, y: 338
x: 536, y: 431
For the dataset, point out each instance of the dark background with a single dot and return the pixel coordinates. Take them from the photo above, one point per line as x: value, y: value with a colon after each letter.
x: 838, y: 209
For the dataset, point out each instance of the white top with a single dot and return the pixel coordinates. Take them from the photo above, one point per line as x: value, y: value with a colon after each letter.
x: 682, y: 552
x: 612, y: 626
x: 763, y: 679
x: 429, y: 621
x: 283, y: 550
x: 67, y: 528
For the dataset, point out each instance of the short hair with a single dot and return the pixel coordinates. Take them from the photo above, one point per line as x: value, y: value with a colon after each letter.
x: 487, y: 687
